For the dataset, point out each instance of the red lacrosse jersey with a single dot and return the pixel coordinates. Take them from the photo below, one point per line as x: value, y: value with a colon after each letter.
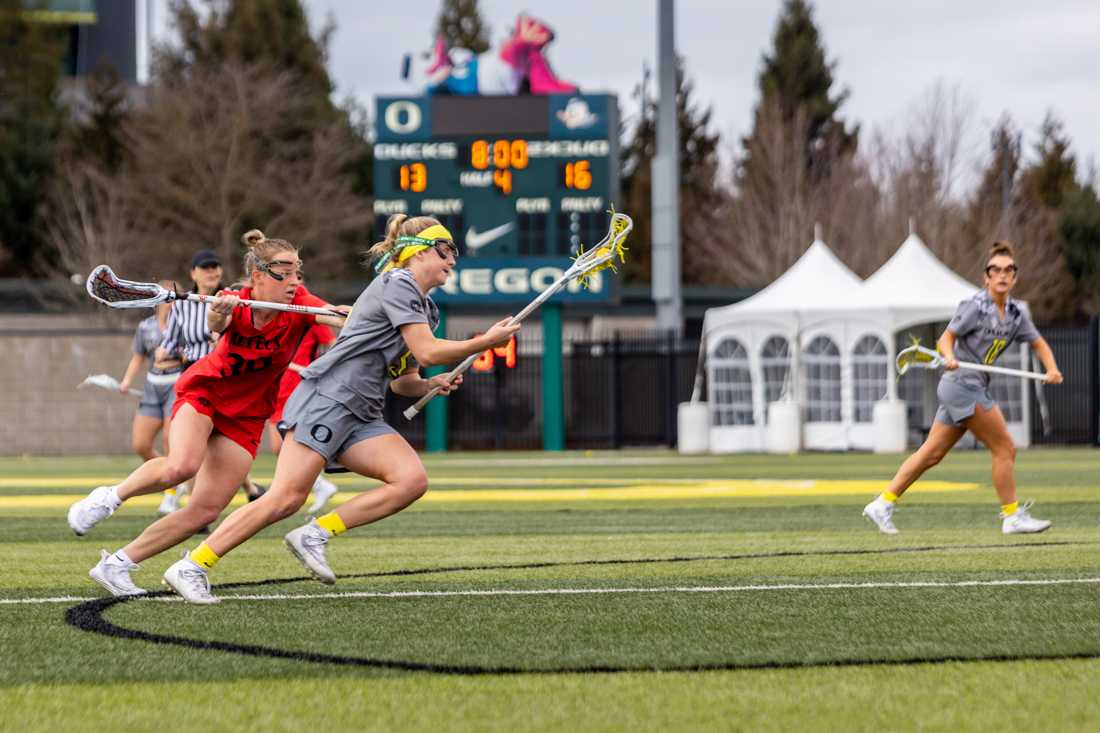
x: 319, y: 335
x: 240, y: 377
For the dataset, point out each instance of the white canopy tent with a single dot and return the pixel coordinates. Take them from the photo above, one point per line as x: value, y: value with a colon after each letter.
x: 824, y: 340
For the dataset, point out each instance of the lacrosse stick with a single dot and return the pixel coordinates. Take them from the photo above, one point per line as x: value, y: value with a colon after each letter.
x: 585, y: 264
x: 108, y: 288
x: 919, y: 356
x: 107, y: 382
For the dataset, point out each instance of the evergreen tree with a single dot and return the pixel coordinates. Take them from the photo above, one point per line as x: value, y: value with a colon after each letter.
x: 461, y: 26
x: 797, y: 79
x: 97, y: 136
x: 1079, y: 233
x: 272, y: 33
x: 991, y: 206
x: 700, y: 196
x: 1054, y: 172
x: 31, y: 121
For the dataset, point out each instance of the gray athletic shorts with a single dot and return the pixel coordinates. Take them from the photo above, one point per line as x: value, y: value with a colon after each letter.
x: 326, y: 426
x: 958, y: 401
x: 158, y: 395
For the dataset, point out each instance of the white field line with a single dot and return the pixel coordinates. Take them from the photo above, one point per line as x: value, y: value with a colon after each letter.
x: 599, y: 591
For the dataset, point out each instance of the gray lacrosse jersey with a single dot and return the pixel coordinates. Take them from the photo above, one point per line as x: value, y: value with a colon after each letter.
x: 981, y: 336
x: 147, y: 339
x: 370, y: 352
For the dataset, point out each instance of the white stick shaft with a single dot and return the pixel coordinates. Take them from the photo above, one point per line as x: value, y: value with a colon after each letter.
x: 469, y: 360
x: 1001, y: 370
x: 263, y: 304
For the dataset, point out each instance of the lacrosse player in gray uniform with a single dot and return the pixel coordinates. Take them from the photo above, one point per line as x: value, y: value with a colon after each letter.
x: 982, y: 328
x: 335, y: 414
x: 154, y: 413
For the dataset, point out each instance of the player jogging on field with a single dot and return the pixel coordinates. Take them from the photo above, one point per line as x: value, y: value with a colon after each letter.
x: 317, y: 341
x: 221, y: 404
x: 335, y: 414
x: 158, y: 394
x: 981, y: 329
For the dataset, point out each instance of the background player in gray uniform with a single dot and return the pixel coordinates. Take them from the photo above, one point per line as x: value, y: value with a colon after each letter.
x: 982, y: 328
x: 335, y: 414
x: 154, y: 413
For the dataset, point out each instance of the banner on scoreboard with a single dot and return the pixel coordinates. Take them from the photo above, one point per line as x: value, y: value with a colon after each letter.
x: 482, y: 280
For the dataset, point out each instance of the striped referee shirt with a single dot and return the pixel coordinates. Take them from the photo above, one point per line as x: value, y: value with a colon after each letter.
x: 186, y: 333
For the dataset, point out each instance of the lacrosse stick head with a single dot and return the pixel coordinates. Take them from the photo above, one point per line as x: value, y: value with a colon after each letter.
x: 104, y: 381
x: 106, y: 287
x: 601, y: 256
x: 917, y: 356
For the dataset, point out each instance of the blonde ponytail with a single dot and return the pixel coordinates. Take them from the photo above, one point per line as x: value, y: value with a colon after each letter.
x: 398, y: 225
x: 261, y: 250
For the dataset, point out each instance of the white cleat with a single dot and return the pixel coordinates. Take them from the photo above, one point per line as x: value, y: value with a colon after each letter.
x: 114, y: 575
x: 1022, y: 522
x: 323, y: 490
x: 169, y: 504
x: 190, y: 581
x: 91, y: 510
x: 307, y: 543
x: 881, y: 513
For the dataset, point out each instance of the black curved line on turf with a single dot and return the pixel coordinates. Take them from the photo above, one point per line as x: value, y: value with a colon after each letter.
x: 653, y: 561
x: 88, y: 616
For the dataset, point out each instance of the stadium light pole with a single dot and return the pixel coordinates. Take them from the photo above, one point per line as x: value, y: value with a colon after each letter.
x: 665, y: 169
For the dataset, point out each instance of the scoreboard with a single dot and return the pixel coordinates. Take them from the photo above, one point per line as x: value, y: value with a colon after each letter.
x: 520, y: 181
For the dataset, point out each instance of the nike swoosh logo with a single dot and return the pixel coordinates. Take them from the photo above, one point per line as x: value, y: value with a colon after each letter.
x: 475, y: 240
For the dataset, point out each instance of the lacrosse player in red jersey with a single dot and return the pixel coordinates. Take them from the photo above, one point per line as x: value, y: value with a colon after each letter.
x: 222, y: 402
x: 981, y: 329
x: 335, y: 414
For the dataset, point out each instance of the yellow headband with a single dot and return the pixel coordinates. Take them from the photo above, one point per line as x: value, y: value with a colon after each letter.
x: 409, y: 247
x: 436, y: 231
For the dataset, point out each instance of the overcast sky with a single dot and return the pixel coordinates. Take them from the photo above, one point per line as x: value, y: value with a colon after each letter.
x: 1017, y: 55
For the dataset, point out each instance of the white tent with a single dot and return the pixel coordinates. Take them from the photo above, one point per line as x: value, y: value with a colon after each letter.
x: 824, y: 339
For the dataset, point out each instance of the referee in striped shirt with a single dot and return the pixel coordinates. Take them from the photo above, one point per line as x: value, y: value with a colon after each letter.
x: 186, y: 336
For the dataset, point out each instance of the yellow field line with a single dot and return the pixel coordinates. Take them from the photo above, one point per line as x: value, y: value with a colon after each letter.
x: 648, y: 491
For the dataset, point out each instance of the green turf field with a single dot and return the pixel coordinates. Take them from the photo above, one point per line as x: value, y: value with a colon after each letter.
x: 583, y: 591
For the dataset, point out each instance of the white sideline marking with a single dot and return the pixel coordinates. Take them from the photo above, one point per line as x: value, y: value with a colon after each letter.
x: 596, y: 591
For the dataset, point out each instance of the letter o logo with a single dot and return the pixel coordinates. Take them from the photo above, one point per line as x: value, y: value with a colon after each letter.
x: 321, y: 433
x: 403, y: 117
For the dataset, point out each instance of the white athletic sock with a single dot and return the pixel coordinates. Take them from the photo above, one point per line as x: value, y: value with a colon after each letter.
x: 123, y: 558
x: 323, y: 483
x: 112, y: 495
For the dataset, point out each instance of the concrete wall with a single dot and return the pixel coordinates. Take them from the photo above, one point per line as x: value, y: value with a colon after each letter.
x: 42, y: 359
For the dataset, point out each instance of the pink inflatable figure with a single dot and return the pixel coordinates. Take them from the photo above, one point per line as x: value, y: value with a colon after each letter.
x: 524, y: 50
x: 519, y: 66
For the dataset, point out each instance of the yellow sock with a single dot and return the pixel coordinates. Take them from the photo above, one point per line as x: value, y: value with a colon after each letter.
x: 1009, y: 509
x: 204, y: 556
x: 170, y: 492
x: 332, y: 523
x: 889, y: 496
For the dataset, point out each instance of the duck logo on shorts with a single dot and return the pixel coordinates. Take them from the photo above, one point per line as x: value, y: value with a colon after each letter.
x: 321, y: 433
